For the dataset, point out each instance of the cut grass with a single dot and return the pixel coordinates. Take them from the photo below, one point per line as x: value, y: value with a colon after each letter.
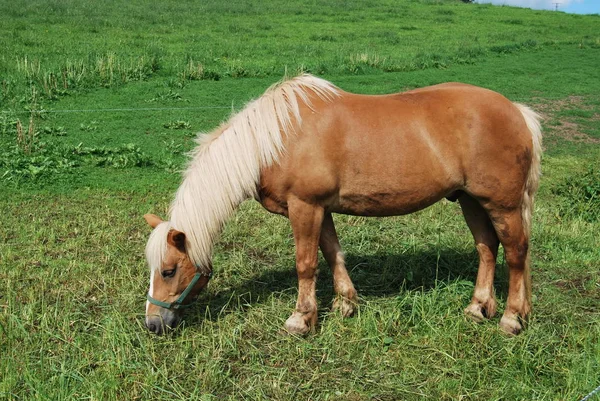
x: 85, y: 335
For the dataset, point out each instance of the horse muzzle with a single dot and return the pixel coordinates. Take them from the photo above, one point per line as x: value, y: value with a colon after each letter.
x: 160, y: 324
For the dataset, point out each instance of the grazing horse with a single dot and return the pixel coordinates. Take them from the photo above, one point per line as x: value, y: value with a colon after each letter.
x: 306, y: 149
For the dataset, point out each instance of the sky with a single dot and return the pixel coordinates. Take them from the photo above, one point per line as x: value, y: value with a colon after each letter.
x: 568, y: 6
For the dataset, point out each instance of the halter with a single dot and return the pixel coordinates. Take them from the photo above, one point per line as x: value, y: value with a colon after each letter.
x: 178, y: 303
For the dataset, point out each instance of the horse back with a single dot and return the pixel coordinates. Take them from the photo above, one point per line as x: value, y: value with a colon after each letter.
x: 394, y: 154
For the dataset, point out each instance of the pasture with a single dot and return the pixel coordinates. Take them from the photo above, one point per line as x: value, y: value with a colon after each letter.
x: 99, y: 102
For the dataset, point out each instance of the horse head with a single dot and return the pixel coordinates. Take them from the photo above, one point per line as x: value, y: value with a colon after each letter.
x: 175, y: 281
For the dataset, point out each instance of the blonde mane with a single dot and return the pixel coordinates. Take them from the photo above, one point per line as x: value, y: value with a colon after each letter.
x: 156, y: 248
x: 224, y: 169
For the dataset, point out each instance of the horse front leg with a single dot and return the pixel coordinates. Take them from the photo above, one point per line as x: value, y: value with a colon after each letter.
x: 346, y: 299
x: 306, y: 220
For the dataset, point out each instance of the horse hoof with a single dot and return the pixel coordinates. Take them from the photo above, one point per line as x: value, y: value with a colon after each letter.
x: 479, y: 311
x: 296, y: 325
x: 345, y: 306
x: 475, y: 313
x: 510, y: 325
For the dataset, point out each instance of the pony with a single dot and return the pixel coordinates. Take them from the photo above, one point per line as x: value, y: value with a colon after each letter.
x: 306, y: 149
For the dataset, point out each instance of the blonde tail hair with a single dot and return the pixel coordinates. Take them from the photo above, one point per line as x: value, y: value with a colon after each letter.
x: 532, y: 119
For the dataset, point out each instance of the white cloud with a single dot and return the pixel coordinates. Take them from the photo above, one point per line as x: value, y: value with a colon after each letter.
x: 537, y: 4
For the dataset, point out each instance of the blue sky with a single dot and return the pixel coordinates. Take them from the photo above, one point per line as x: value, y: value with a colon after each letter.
x: 568, y: 6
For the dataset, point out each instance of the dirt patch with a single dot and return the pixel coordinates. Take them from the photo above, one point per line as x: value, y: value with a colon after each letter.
x: 581, y: 285
x: 553, y: 106
x: 566, y: 128
x: 571, y: 132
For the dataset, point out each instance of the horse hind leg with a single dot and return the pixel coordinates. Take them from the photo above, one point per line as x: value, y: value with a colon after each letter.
x: 346, y: 299
x: 515, y: 240
x: 483, y: 303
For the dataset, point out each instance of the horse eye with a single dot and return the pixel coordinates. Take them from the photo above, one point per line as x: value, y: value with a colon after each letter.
x: 168, y: 273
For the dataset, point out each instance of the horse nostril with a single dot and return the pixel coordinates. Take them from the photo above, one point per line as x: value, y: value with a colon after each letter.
x: 154, y: 327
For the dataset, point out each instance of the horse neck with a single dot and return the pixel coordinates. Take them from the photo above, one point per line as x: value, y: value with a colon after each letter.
x: 225, y: 168
x: 219, y: 178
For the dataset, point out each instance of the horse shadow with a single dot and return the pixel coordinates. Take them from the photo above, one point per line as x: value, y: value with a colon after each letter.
x: 375, y: 275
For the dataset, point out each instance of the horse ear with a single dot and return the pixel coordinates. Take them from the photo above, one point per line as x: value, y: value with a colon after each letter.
x: 176, y: 239
x: 153, y: 220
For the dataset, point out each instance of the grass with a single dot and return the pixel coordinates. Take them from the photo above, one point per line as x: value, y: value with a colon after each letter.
x: 72, y: 193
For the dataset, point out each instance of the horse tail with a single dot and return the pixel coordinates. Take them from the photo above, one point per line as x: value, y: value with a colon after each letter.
x: 532, y: 119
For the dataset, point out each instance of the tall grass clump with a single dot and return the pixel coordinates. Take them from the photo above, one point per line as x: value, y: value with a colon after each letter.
x: 363, y: 62
x: 580, y: 196
x: 195, y: 71
x: 105, y: 70
x: 514, y: 47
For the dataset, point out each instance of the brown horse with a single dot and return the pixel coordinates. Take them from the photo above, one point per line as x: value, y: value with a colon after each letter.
x: 307, y: 149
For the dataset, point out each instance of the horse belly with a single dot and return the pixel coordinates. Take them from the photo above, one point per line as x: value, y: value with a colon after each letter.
x: 398, y: 175
x: 388, y: 202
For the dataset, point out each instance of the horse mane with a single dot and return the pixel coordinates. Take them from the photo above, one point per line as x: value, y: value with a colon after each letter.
x: 156, y: 248
x: 224, y: 169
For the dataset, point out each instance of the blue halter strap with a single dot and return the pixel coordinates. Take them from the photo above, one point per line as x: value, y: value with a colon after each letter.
x: 178, y: 303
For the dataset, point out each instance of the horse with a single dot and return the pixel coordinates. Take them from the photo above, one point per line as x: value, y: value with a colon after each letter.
x: 306, y: 149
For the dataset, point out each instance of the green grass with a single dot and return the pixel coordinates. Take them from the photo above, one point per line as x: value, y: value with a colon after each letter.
x: 72, y: 272
x: 120, y: 42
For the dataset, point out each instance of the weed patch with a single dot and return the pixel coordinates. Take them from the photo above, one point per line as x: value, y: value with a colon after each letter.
x: 124, y: 156
x: 46, y: 160
x: 31, y: 157
x: 580, y: 196
x: 179, y: 124
x: 54, y: 131
x: 166, y: 95
x: 8, y: 122
x: 41, y: 162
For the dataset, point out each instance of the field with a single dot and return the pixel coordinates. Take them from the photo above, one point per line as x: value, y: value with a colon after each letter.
x: 99, y: 103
